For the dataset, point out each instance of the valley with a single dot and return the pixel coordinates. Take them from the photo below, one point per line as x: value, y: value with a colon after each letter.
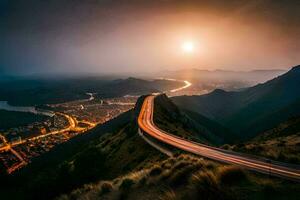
x: 65, y: 120
x: 89, y: 137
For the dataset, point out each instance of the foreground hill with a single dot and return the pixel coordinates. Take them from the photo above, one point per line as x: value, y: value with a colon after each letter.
x: 187, y: 124
x: 252, y: 110
x: 187, y: 177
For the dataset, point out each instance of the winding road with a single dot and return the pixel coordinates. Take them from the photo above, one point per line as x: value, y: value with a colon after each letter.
x: 147, y: 126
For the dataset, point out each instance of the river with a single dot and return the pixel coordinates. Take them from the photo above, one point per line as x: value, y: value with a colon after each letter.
x: 5, y: 106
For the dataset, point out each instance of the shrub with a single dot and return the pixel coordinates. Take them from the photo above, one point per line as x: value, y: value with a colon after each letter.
x: 166, y: 165
x: 155, y: 171
x: 106, y: 187
x: 127, y: 183
x: 210, y: 166
x: 204, y: 185
x: 180, y: 165
x: 231, y: 174
x: 180, y: 176
x: 165, y: 175
x: 168, y: 195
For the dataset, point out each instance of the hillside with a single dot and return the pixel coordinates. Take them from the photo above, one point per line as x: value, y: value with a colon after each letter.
x: 252, y: 110
x: 106, y: 152
x: 187, y: 124
x: 281, y: 143
x: 187, y: 177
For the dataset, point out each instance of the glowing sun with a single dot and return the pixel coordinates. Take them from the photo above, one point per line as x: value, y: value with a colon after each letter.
x: 188, y: 47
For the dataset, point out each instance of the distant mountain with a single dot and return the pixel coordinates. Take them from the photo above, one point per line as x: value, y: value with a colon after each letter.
x: 254, y: 76
x: 252, y: 110
x: 47, y: 91
x: 134, y: 86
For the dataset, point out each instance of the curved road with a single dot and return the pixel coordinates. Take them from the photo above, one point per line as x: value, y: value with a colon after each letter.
x: 146, y: 124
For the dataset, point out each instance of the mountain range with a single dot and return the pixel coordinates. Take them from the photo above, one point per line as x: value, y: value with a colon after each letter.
x: 252, y: 110
x: 28, y: 92
x: 205, y: 76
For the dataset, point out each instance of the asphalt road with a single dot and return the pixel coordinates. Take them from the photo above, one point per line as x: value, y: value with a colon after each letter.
x: 146, y: 124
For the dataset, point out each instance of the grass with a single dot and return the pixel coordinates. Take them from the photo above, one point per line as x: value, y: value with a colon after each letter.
x: 282, y: 143
x: 189, y: 177
x: 204, y: 185
x: 168, y: 195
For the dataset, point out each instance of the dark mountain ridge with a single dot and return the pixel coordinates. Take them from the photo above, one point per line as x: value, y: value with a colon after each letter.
x: 251, y: 107
x: 28, y: 92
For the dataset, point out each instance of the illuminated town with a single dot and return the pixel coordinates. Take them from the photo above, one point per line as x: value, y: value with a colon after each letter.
x: 19, y: 145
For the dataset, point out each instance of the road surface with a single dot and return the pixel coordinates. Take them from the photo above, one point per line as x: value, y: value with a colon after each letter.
x: 146, y: 124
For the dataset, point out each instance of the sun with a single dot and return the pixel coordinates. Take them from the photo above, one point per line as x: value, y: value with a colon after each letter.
x: 188, y: 47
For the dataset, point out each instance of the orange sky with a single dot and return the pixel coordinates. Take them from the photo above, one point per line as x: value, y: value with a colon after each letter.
x: 143, y: 36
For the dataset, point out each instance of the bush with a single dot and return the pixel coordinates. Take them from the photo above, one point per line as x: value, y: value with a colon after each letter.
x: 231, y: 174
x: 155, y: 171
x: 165, y: 175
x: 127, y: 183
x: 204, y: 185
x: 180, y: 176
x: 106, y: 187
x: 180, y: 165
x: 168, y: 195
x: 166, y: 165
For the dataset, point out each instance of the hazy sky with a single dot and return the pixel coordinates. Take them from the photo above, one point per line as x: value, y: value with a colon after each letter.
x: 109, y: 36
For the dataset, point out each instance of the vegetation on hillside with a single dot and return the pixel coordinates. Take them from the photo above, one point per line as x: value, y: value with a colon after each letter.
x: 281, y: 143
x: 187, y: 177
x: 106, y: 152
x: 187, y: 124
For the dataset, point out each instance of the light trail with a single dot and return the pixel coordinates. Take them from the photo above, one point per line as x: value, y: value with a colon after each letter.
x: 187, y: 84
x: 146, y: 124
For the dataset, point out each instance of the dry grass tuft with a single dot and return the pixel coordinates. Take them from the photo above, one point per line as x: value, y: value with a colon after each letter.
x: 231, y: 174
x: 168, y: 195
x: 106, y: 187
x: 127, y: 183
x: 204, y: 185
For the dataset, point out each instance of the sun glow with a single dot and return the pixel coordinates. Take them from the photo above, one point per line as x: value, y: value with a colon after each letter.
x: 188, y: 47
